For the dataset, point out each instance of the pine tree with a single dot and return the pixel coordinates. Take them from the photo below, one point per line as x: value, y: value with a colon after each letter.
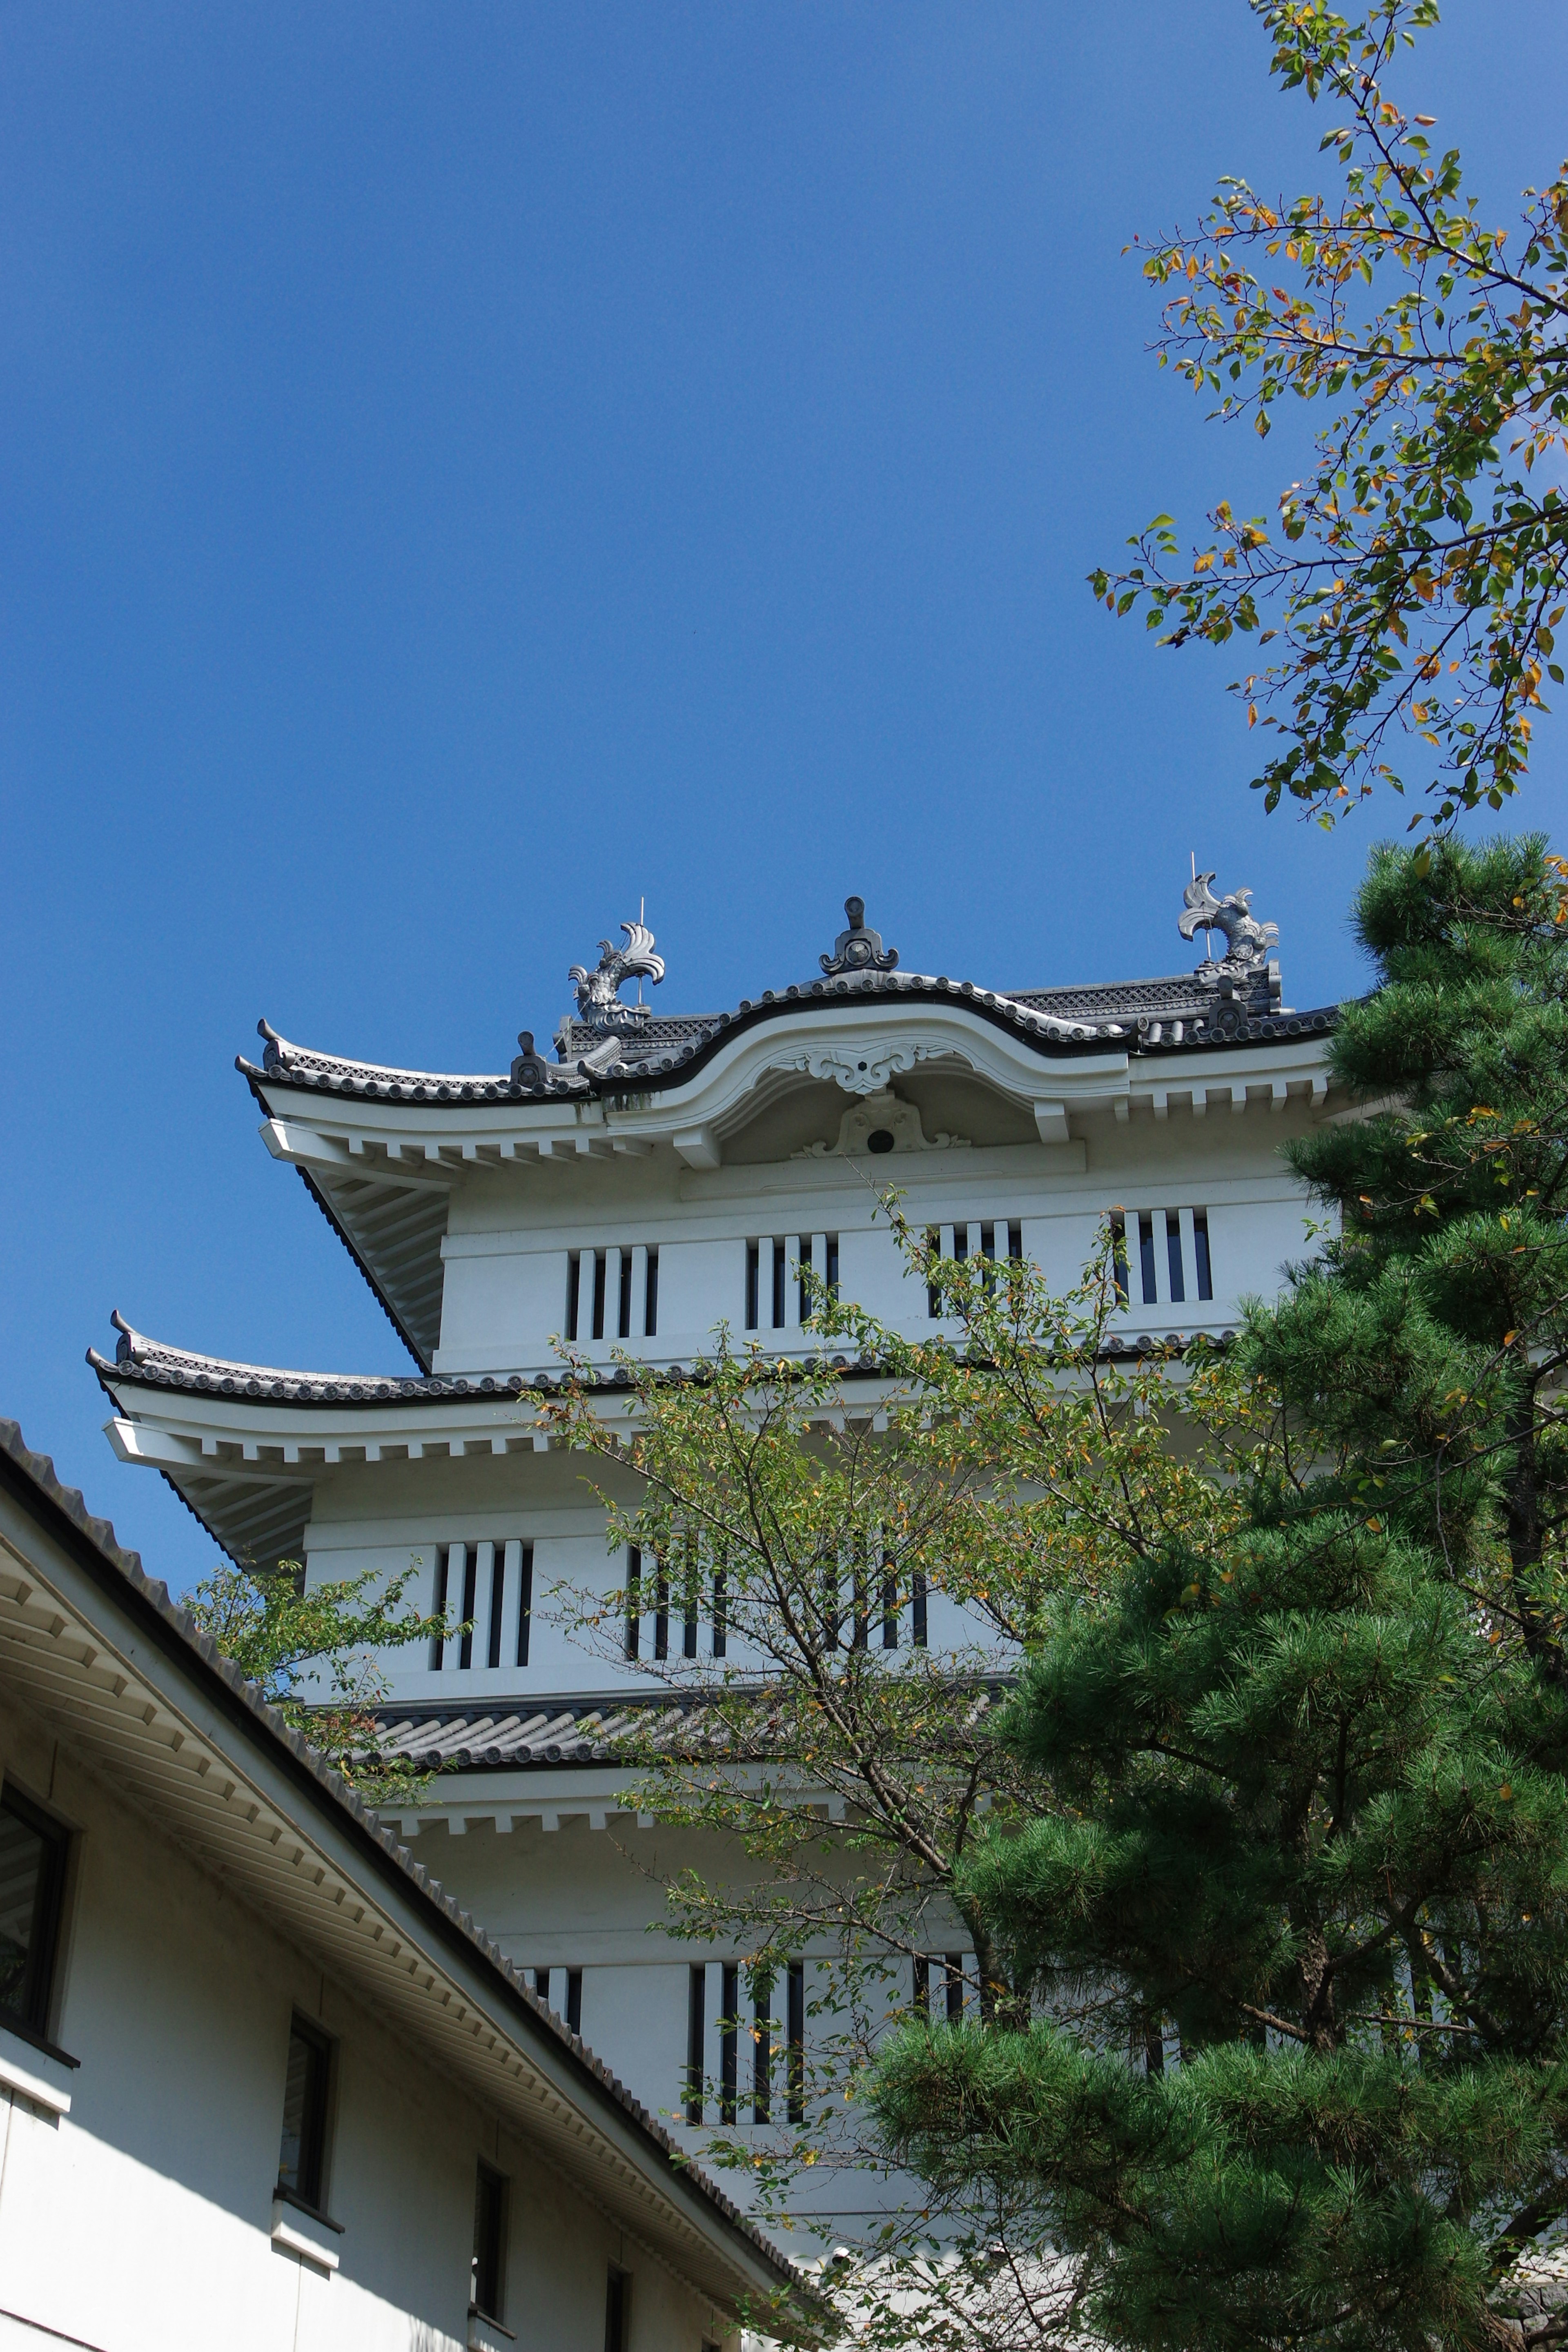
x: 1296, y: 1925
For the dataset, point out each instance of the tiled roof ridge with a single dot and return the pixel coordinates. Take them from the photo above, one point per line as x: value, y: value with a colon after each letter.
x: 155, y: 1366
x: 1183, y: 1013
x: 588, y: 1729
x: 39, y: 1469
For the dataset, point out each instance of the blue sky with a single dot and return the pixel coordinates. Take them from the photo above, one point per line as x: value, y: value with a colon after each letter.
x: 463, y: 470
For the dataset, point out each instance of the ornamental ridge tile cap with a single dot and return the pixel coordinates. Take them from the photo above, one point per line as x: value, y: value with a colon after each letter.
x: 858, y: 949
x: 1247, y: 940
x: 598, y: 991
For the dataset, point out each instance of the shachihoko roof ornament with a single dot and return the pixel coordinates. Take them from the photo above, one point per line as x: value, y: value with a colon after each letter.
x: 598, y: 991
x: 858, y: 949
x: 1247, y: 942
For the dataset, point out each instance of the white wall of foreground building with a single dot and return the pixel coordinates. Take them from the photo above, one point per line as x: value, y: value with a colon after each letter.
x: 216, y: 1889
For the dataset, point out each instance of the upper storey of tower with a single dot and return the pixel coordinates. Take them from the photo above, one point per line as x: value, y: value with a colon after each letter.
x: 815, y: 1081
x: 668, y: 1174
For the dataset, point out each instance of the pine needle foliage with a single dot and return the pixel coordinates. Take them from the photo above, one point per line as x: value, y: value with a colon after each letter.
x: 1309, y: 1844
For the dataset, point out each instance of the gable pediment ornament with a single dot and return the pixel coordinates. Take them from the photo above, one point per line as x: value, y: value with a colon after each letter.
x: 870, y: 1071
x: 881, y: 1123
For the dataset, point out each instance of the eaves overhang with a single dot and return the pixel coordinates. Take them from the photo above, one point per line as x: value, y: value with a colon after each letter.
x: 244, y: 1444
x: 133, y: 1686
x: 1187, y: 1019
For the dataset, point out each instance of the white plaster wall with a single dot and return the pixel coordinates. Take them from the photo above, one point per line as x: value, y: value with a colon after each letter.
x: 505, y: 1256
x: 700, y: 1284
x: 499, y: 1310
x: 142, y: 2219
x: 590, y: 1898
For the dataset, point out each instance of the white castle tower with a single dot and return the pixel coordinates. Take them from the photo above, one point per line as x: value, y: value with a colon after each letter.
x: 663, y: 1174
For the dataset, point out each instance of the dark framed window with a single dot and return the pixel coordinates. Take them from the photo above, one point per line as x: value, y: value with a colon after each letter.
x: 303, y: 2154
x: 33, y: 1850
x: 575, y: 2000
x: 488, y: 2278
x: 617, y: 2309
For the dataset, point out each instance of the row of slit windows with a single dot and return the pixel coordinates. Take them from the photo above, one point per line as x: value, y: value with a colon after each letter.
x: 477, y: 1593
x: 1167, y: 1251
x: 867, y: 1606
x: 486, y: 1590
x: 606, y: 1290
x: 771, y: 1291
x: 775, y: 2073
x: 961, y: 1243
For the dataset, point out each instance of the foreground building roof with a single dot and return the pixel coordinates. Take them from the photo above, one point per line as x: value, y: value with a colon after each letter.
x: 145, y: 1697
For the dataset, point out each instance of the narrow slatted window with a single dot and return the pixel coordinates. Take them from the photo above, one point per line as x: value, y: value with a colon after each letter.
x: 650, y: 1296
x: 661, y: 1611
x: 729, y: 2041
x: 1200, y: 1253
x: 498, y: 1602
x: 633, y: 1598
x: 691, y: 1589
x: 794, y: 2063
x: 598, y: 1293
x: 624, y: 1304
x: 918, y: 1609
x: 438, y: 1607
x: 763, y: 2051
x: 573, y: 1291
x: 1146, y: 1257
x: 696, y: 2034
x: 524, y: 1603
x: 471, y: 1553
x: 753, y: 1270
x: 1174, y: 1254
x: 1118, y: 1267
x: 955, y: 1988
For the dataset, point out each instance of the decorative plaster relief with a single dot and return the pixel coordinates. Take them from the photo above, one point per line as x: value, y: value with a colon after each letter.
x: 879, y: 1124
x: 867, y: 1071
